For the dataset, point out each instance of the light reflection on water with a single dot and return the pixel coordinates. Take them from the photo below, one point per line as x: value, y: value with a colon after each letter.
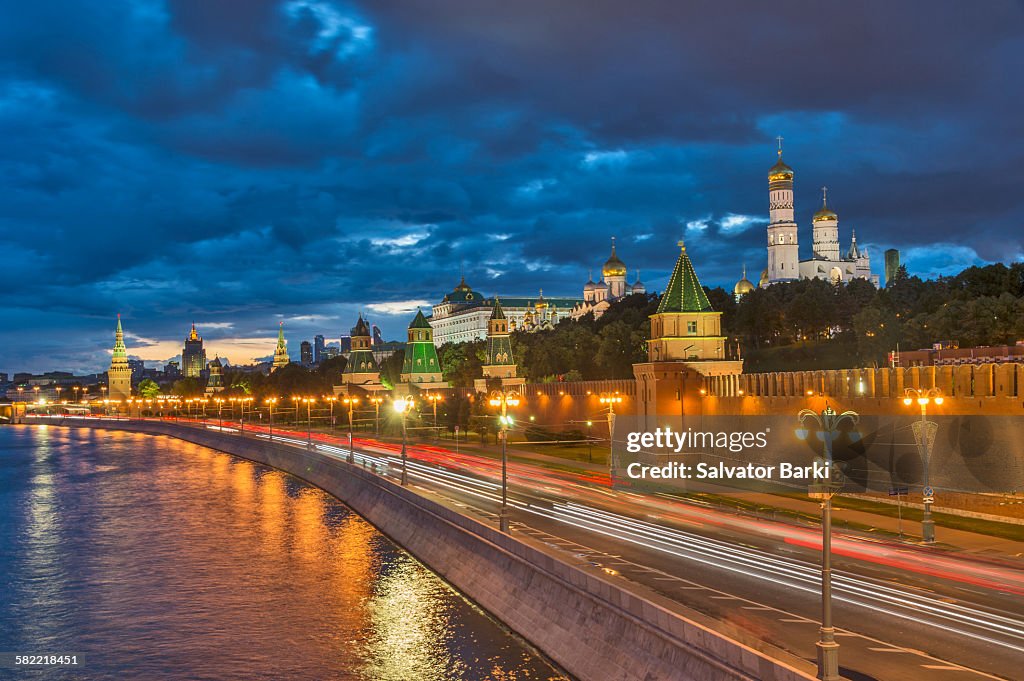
x: 157, y: 559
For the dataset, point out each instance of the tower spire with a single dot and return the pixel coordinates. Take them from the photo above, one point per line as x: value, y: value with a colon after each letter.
x: 779, y: 139
x: 824, y: 197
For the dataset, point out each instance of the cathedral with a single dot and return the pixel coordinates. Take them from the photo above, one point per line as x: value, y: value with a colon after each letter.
x: 598, y: 297
x: 827, y: 259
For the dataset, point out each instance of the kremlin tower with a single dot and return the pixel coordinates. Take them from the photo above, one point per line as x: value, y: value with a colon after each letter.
x: 119, y: 376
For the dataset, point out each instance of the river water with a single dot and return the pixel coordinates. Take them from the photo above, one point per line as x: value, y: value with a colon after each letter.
x: 152, y: 558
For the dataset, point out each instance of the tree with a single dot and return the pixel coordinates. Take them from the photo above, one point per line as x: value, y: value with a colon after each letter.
x: 148, y: 388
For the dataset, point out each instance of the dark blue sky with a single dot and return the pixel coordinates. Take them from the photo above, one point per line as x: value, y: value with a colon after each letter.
x: 243, y: 162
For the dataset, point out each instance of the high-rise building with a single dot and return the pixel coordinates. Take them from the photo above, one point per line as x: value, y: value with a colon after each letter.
x: 378, y: 337
x: 119, y: 376
x: 281, y: 351
x: 172, y: 369
x: 318, y: 349
x: 193, y: 356
x: 345, y: 344
x: 306, y: 353
x: 892, y: 265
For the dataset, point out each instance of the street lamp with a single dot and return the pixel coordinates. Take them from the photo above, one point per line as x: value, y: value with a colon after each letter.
x: 504, y: 399
x: 823, y: 490
x: 308, y: 401
x: 332, y: 399
x: 270, y: 402
x: 376, y: 414
x: 611, y: 400
x: 350, y: 402
x: 924, y: 437
x: 220, y: 407
x: 434, y: 399
x: 402, y: 406
x: 590, y: 442
x: 241, y: 423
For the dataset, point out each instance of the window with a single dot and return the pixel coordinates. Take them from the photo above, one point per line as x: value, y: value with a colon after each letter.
x: 691, y: 327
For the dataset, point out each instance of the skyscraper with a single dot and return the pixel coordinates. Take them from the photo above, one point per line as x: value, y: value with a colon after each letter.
x: 306, y: 353
x: 318, y: 348
x: 119, y: 376
x: 193, y: 357
x: 892, y: 265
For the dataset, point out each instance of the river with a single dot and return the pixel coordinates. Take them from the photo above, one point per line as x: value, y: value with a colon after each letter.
x: 151, y: 558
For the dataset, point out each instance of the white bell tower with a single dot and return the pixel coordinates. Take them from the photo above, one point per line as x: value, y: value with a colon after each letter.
x: 783, y: 249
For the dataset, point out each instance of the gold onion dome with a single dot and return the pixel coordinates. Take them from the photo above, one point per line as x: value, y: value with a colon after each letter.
x: 744, y: 285
x: 613, y: 267
x: 825, y: 213
x: 780, y: 171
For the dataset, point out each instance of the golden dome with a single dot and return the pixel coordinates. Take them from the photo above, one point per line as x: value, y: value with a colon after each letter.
x: 764, y: 277
x: 780, y: 171
x: 613, y: 267
x: 825, y: 213
x: 743, y: 286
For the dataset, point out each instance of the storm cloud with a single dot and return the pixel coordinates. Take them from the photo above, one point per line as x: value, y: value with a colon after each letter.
x: 241, y: 163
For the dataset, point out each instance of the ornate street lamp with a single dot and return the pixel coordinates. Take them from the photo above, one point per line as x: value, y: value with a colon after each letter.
x: 376, y: 414
x: 308, y: 401
x: 402, y: 406
x: 504, y: 398
x: 270, y: 402
x: 434, y: 399
x: 610, y: 400
x: 924, y: 437
x: 351, y: 403
x: 823, y: 490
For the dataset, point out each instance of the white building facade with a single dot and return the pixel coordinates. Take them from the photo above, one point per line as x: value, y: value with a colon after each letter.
x: 827, y: 260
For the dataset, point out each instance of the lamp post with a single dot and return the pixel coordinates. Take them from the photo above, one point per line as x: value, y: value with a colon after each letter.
x: 376, y: 414
x: 351, y: 403
x: 220, y: 407
x: 504, y: 399
x: 924, y: 436
x: 308, y: 401
x: 434, y: 399
x: 270, y: 402
x: 331, y: 399
x: 590, y: 442
x: 402, y: 406
x: 828, y: 422
x: 611, y: 399
x: 241, y: 421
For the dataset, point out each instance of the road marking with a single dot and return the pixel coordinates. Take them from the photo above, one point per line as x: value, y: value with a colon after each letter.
x: 887, y: 650
x: 945, y: 667
x: 724, y: 598
x: 755, y: 607
x: 796, y: 620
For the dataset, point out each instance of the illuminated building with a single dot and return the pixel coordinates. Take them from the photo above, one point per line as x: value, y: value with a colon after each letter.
x: 193, y: 357
x: 598, y: 296
x: 281, y: 351
x: 119, y: 375
x: 827, y: 260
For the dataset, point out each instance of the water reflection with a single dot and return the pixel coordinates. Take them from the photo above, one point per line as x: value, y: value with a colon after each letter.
x: 159, y: 559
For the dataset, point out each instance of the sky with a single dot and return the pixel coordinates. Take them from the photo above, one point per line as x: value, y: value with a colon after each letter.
x: 242, y: 163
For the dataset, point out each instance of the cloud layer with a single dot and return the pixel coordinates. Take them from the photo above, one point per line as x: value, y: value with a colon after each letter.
x: 243, y: 163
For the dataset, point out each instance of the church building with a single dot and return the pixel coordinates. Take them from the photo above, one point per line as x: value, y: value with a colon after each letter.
x: 827, y: 260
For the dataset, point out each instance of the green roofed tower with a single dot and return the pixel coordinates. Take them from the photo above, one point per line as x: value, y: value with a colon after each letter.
x: 119, y: 375
x: 361, y: 368
x: 685, y: 327
x: 421, y: 366
x: 281, y: 351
